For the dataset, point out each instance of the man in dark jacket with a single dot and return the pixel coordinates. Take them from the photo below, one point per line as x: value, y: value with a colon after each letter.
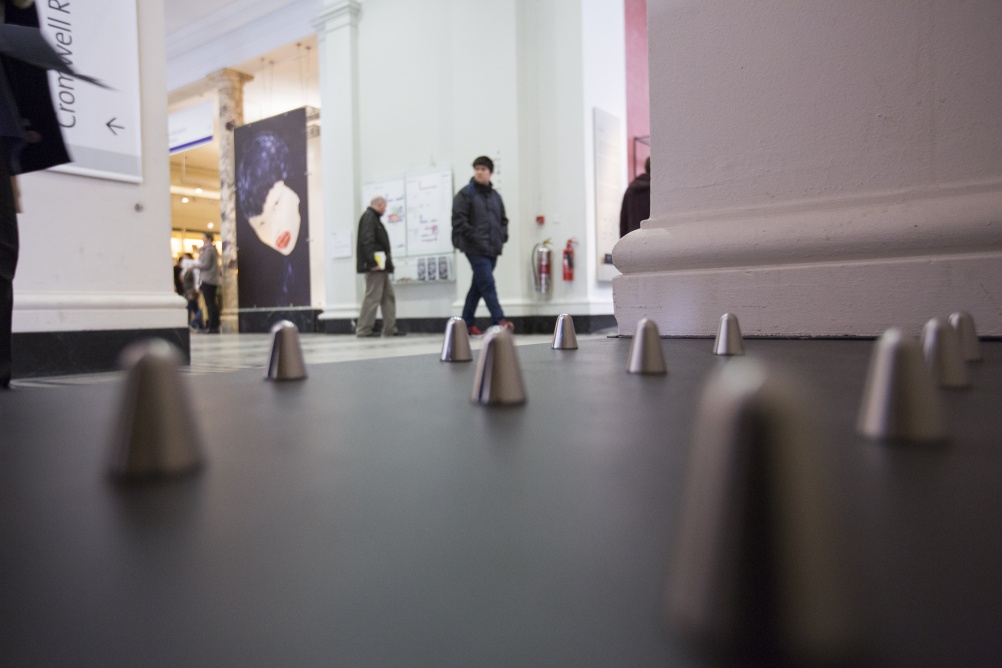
x: 373, y: 240
x: 480, y: 230
x: 636, y: 202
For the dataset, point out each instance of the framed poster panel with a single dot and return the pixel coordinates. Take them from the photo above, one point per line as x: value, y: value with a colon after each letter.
x: 395, y: 217
x: 429, y: 213
x: 272, y: 212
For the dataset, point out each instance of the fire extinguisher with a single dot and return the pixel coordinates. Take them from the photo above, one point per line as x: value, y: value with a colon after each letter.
x: 542, y: 256
x: 569, y: 260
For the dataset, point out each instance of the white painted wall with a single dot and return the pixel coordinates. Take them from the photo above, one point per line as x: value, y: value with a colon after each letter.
x: 89, y: 260
x: 822, y: 168
x: 506, y: 79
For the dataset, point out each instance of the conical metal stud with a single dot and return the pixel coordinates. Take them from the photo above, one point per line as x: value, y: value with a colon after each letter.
x: 900, y: 402
x: 564, y: 337
x: 942, y: 353
x: 728, y: 340
x: 456, y: 345
x: 498, y: 380
x: 156, y: 435
x: 758, y: 573
x: 645, y: 350
x: 970, y: 346
x: 287, y: 361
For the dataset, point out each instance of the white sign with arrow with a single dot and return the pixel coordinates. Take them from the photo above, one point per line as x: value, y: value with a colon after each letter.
x: 101, y: 126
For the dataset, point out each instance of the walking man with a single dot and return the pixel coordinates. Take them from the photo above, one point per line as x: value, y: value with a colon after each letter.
x: 480, y: 230
x: 208, y: 276
x: 375, y: 262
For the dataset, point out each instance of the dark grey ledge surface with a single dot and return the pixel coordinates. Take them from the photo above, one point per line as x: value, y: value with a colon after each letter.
x: 373, y: 516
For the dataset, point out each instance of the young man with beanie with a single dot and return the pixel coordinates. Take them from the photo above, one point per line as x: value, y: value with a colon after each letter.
x: 480, y: 230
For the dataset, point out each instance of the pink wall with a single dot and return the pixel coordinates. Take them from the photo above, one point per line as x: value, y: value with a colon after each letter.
x: 638, y: 112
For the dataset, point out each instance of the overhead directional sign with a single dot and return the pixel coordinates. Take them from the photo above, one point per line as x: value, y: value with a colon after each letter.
x: 190, y: 127
x: 101, y: 126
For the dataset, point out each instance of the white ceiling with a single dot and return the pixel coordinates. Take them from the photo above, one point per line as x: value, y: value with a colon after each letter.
x: 180, y: 14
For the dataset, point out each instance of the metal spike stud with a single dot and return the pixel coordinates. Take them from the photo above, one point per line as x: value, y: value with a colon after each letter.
x: 456, y: 345
x: 156, y: 435
x: 900, y: 402
x: 645, y: 350
x: 942, y: 353
x: 758, y: 573
x: 287, y: 361
x: 970, y: 346
x: 498, y: 380
x: 564, y: 337
x: 728, y: 340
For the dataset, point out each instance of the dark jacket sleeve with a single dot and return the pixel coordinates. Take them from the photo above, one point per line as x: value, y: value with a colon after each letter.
x: 366, y: 246
x: 460, y: 220
x: 504, y: 221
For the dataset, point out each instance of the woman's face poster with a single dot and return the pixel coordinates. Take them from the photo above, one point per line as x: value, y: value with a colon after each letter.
x: 272, y: 223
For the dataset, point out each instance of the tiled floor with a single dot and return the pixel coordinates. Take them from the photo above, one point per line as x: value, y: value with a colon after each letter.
x: 233, y: 352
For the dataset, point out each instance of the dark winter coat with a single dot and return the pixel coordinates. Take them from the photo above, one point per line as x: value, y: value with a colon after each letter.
x: 372, y: 237
x: 479, y: 224
x: 636, y: 205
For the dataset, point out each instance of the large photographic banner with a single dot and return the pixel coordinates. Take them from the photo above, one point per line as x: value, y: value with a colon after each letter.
x: 101, y: 126
x: 272, y: 212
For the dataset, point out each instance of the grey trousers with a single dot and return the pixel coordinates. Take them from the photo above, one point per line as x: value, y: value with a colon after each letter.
x: 378, y: 294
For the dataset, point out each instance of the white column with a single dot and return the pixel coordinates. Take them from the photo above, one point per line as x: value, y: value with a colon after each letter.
x: 820, y: 168
x: 337, y: 35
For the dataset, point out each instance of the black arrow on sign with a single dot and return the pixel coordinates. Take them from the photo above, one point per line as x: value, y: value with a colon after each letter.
x: 112, y: 127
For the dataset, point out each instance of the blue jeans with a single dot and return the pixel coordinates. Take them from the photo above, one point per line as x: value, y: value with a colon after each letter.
x: 482, y: 287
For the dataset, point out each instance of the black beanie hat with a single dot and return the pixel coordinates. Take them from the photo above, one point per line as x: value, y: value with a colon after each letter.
x: 485, y: 161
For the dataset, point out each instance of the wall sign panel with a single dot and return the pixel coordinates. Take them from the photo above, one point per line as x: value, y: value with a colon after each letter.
x: 101, y: 126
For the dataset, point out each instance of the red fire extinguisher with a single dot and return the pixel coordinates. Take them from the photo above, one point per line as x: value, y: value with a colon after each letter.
x: 569, y: 260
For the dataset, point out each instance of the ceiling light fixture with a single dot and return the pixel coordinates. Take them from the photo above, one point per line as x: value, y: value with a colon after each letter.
x: 184, y: 200
x: 211, y: 225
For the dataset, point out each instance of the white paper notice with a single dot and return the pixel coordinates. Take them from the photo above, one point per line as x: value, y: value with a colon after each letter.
x: 341, y: 245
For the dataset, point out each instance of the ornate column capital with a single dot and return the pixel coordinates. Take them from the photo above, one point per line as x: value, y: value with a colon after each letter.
x: 229, y: 78
x: 337, y: 14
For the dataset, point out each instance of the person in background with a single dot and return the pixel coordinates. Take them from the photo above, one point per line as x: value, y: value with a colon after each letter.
x: 373, y: 239
x: 189, y: 286
x: 208, y: 274
x: 636, y: 202
x: 178, y: 270
x: 480, y: 230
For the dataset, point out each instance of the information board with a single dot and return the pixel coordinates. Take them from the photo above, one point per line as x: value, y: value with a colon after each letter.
x: 395, y: 217
x: 101, y: 127
x: 429, y: 213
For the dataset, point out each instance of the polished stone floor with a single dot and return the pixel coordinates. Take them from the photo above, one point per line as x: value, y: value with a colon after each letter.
x: 236, y: 352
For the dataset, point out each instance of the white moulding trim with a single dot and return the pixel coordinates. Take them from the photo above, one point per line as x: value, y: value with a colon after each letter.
x: 936, y: 223
x: 90, y: 301
x: 861, y: 298
x: 341, y: 15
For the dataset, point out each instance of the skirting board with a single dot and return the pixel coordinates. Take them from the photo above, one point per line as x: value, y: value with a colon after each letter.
x: 64, y: 353
x: 844, y: 299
